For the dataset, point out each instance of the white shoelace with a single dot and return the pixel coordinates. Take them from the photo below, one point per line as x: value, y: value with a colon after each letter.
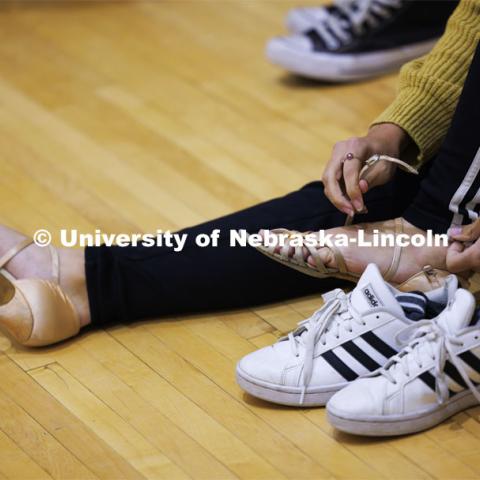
x: 356, y: 14
x: 336, y: 316
x: 431, y: 339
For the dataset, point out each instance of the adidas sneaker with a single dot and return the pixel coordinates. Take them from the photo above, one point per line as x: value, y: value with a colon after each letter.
x: 434, y: 377
x: 354, y: 39
x: 351, y: 335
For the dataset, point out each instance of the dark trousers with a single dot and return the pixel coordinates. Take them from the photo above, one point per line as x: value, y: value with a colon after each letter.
x: 132, y: 283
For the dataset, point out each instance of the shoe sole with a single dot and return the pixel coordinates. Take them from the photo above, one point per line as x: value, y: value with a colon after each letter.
x: 393, y: 425
x: 343, y: 67
x: 281, y: 395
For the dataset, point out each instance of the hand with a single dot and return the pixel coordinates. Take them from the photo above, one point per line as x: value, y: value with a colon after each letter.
x: 464, y: 253
x: 341, y: 179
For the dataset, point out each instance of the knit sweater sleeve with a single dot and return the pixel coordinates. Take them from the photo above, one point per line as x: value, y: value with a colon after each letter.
x: 429, y: 87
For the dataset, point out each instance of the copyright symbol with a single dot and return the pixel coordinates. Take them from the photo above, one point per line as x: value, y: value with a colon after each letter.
x: 42, y: 238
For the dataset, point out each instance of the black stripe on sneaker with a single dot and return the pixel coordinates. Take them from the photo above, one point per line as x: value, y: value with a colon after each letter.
x: 429, y: 380
x: 453, y: 373
x: 358, y: 354
x: 378, y: 344
x: 341, y: 367
x: 472, y: 360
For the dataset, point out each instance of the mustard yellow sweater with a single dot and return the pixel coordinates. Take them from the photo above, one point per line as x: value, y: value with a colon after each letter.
x: 430, y: 86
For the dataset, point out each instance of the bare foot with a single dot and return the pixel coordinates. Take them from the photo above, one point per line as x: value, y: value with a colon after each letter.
x: 35, y: 262
x: 357, y: 258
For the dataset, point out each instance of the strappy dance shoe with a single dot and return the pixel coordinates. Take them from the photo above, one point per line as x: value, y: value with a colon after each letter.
x: 33, y: 311
x: 426, y: 279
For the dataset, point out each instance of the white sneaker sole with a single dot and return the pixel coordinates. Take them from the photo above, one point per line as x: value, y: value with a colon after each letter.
x: 285, y: 395
x: 380, y: 426
x: 342, y: 67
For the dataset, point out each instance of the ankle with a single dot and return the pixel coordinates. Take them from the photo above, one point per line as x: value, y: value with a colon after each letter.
x: 73, y: 281
x: 428, y: 255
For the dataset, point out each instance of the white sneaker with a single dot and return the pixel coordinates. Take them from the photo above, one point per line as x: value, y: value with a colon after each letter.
x: 351, y: 335
x: 433, y: 378
x: 355, y: 39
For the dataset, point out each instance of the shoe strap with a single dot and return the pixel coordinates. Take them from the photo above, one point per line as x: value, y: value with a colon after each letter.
x: 340, y: 261
x: 16, y: 249
x: 377, y: 158
x: 7, y: 275
x: 397, y: 252
x: 320, y: 266
x: 298, y: 255
x: 370, y: 162
x: 10, y: 253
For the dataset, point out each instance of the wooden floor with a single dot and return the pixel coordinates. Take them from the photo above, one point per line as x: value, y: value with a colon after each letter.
x: 133, y: 116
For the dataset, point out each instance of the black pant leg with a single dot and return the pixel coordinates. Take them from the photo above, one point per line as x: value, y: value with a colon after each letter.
x: 132, y: 283
x: 450, y: 193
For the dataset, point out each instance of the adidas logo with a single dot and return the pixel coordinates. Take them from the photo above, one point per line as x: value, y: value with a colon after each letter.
x: 370, y: 296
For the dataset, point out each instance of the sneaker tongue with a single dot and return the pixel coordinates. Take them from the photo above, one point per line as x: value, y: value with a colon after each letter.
x: 372, y: 291
x: 460, y: 314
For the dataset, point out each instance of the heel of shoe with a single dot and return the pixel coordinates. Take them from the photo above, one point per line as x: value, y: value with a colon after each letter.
x: 54, y: 316
x: 7, y: 290
x: 38, y: 314
x: 15, y: 317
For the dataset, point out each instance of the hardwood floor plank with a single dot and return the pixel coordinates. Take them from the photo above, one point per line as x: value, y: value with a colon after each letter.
x: 293, y: 427
x: 109, y: 426
x: 79, y: 440
x: 202, y: 389
x: 32, y: 436
x: 15, y: 463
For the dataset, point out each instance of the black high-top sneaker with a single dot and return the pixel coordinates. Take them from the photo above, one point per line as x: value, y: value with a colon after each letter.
x: 355, y: 39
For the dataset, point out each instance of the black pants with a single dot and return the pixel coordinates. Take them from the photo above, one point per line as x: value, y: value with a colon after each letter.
x: 133, y: 283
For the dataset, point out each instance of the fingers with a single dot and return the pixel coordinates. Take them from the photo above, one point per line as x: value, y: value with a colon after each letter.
x: 331, y: 179
x: 462, y: 259
x: 351, y: 172
x: 464, y: 253
x: 343, y: 172
x: 467, y: 233
x: 385, y: 138
x: 378, y: 174
x: 364, y: 186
